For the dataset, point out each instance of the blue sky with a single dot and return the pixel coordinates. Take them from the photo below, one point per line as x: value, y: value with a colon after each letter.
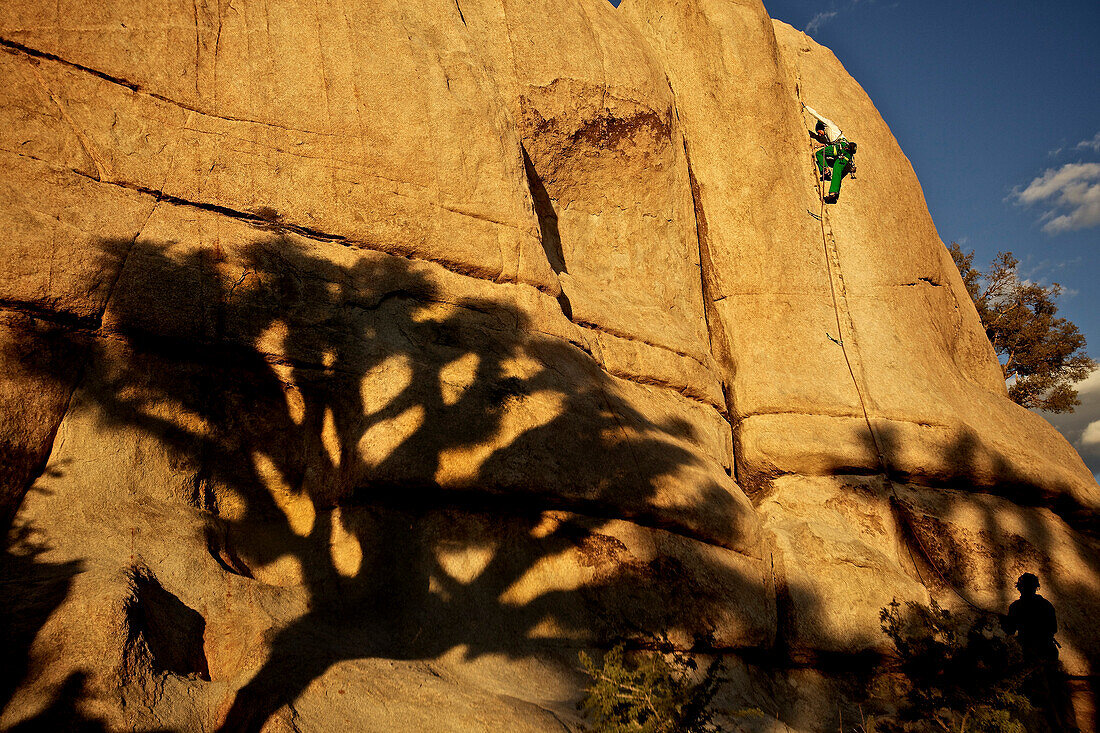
x: 997, y: 105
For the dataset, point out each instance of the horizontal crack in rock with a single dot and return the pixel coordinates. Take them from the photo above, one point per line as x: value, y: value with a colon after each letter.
x: 15, y: 46
x: 627, y: 337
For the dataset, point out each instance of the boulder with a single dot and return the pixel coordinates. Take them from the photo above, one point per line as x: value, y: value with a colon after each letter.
x: 364, y: 362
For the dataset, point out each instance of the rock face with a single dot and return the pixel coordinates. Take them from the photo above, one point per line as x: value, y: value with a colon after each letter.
x: 363, y: 360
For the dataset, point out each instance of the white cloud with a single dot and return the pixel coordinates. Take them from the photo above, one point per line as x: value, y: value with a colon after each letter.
x: 1093, y: 144
x: 1054, y: 181
x: 1070, y: 194
x: 1091, y: 436
x: 819, y: 20
x: 1082, y: 426
x: 826, y: 15
x: 1044, y: 271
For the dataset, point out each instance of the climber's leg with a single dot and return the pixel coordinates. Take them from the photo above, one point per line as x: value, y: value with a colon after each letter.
x: 820, y: 157
x: 840, y: 168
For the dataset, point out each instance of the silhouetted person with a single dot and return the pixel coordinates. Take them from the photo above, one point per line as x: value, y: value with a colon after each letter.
x: 1033, y: 620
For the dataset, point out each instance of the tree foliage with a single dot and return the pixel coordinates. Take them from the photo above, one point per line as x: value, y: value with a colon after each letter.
x: 1042, y: 356
x: 956, y: 676
x: 650, y: 692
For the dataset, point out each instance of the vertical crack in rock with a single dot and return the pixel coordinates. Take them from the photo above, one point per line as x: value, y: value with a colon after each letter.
x: 549, y: 234
x: 295, y: 718
x: 164, y: 635
x: 705, y: 264
x: 719, y: 346
x: 198, y: 43
x: 548, y: 218
x: 122, y: 264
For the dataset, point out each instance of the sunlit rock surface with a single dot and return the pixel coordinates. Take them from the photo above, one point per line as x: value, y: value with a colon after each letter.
x: 363, y: 361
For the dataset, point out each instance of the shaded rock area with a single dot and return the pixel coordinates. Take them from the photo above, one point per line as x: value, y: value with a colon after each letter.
x: 162, y: 633
x: 364, y: 361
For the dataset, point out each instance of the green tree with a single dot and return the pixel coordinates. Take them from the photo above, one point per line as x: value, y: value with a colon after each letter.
x: 651, y: 692
x: 1042, y: 356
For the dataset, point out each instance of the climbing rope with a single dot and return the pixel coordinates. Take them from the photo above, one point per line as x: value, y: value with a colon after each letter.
x: 832, y: 256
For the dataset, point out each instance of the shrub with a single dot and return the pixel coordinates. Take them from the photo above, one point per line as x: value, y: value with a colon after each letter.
x: 954, y: 676
x: 650, y: 692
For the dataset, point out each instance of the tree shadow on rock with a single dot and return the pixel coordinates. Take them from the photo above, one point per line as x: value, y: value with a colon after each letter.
x: 33, y: 589
x: 421, y: 457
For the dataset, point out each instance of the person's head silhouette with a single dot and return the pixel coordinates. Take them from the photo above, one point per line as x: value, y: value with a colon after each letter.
x: 1027, y: 584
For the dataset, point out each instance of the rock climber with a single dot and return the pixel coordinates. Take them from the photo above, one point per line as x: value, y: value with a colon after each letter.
x: 835, y: 159
x: 1033, y: 620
